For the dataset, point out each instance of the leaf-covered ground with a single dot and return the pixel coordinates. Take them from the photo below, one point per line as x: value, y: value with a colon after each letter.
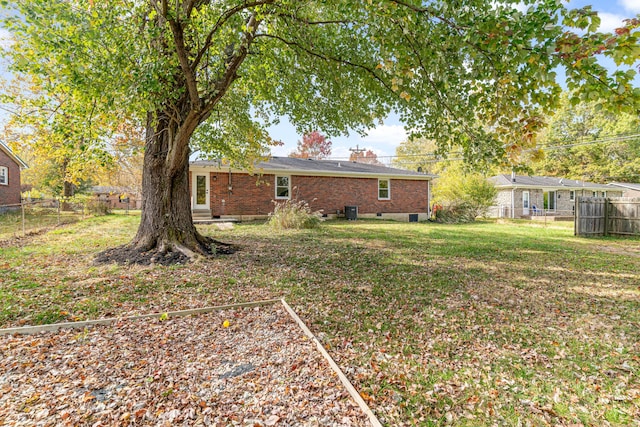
x: 249, y: 367
x: 481, y: 324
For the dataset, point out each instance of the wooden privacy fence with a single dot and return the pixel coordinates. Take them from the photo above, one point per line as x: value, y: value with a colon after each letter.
x: 604, y: 216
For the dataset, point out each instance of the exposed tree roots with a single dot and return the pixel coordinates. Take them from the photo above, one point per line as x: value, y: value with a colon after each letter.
x: 163, y: 254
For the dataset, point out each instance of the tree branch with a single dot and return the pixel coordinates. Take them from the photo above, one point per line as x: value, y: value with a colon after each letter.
x: 189, y: 73
x: 328, y: 58
x: 230, y: 74
x: 221, y: 21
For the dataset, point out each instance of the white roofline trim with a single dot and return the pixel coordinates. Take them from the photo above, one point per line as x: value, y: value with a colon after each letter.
x: 628, y: 186
x: 13, y: 157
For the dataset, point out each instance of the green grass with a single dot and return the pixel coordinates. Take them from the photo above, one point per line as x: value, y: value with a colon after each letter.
x: 477, y: 324
x: 35, y: 220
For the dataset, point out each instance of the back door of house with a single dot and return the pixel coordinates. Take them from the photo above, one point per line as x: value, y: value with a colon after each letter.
x: 525, y: 203
x: 200, y: 191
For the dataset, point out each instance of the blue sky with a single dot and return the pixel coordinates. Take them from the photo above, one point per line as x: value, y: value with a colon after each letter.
x: 384, y: 139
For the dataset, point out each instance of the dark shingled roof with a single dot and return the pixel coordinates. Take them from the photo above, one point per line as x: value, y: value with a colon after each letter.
x: 545, y: 181
x: 338, y: 167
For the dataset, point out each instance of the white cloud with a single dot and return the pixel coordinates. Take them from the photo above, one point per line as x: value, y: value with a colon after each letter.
x: 610, y: 21
x: 386, y: 134
x: 6, y: 39
x: 630, y: 5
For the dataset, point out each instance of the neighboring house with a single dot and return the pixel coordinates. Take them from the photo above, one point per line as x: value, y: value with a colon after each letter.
x: 628, y: 189
x: 117, y: 197
x: 10, y: 167
x: 328, y: 186
x: 527, y: 196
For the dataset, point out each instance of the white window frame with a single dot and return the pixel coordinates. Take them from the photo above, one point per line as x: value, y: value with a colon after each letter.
x: 572, y: 196
x: 282, y: 186
x: 388, y: 180
x: 4, y: 172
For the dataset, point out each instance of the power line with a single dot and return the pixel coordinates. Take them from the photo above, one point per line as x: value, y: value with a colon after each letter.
x: 436, y: 158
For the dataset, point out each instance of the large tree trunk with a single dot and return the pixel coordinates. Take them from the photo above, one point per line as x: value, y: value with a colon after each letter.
x: 166, y: 233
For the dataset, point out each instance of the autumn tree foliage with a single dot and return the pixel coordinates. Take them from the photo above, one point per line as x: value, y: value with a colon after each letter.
x: 417, y: 154
x: 66, y: 149
x: 215, y: 74
x: 364, y: 156
x: 584, y: 142
x: 313, y: 145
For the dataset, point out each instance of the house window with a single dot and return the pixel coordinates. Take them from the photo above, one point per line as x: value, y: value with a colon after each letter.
x: 4, y: 175
x: 604, y: 194
x: 383, y: 189
x: 283, y: 189
x: 572, y: 195
x: 595, y: 194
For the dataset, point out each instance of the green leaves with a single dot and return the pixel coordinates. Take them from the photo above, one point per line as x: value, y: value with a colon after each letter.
x: 473, y: 76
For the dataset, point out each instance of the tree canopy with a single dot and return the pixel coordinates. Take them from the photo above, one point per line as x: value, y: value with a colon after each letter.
x: 313, y: 145
x: 477, y: 75
x: 417, y: 154
x: 364, y: 156
x: 587, y: 143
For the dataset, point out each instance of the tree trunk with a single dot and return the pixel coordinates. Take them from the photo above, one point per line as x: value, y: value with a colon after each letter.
x: 166, y: 224
x: 67, y: 188
x: 166, y: 234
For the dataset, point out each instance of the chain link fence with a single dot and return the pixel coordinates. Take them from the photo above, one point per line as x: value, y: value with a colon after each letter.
x: 33, y: 216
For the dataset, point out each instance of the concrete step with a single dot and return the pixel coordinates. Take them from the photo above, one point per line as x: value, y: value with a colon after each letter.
x: 201, y: 214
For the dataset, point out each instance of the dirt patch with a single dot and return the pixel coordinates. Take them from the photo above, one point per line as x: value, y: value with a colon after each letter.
x: 627, y: 251
x: 127, y: 255
x: 23, y: 240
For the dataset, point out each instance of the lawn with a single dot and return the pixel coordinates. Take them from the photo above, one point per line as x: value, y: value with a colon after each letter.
x: 36, y: 220
x: 480, y: 324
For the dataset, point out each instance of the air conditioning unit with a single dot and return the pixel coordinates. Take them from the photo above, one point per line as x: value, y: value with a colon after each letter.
x: 351, y: 212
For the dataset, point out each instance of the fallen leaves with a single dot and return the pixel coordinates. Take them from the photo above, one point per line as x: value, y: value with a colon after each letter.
x: 182, y: 370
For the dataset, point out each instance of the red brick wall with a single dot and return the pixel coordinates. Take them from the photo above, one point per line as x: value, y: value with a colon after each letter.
x: 114, y: 202
x: 330, y: 194
x: 10, y: 194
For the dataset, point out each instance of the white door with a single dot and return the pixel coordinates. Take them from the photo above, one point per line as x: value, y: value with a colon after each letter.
x: 525, y: 203
x: 200, y: 191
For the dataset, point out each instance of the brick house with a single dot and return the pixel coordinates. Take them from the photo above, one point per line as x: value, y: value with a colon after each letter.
x: 117, y: 197
x: 529, y: 196
x: 10, y: 167
x: 327, y: 185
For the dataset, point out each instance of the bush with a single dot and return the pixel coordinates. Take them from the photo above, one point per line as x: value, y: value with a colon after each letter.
x: 456, y: 213
x: 89, y: 205
x: 464, y: 196
x: 295, y: 214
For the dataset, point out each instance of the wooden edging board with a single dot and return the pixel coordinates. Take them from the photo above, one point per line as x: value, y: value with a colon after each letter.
x: 107, y: 321
x: 343, y: 378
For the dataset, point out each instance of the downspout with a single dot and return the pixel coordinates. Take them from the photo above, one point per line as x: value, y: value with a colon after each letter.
x: 429, y: 198
x: 513, y: 196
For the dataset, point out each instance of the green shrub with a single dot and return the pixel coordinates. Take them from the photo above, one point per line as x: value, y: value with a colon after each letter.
x: 462, y: 195
x: 295, y: 214
x: 89, y: 205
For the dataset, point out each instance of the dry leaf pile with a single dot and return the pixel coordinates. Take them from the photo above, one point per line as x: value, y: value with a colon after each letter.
x: 259, y: 371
